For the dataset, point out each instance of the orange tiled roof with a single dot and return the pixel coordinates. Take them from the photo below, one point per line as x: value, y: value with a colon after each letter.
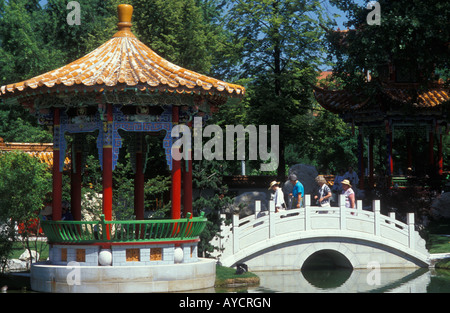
x: 433, y: 97
x: 43, y: 151
x: 122, y: 62
x: 338, y: 101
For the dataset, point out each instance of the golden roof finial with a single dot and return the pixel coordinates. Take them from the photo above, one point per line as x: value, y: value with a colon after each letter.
x: 125, y: 13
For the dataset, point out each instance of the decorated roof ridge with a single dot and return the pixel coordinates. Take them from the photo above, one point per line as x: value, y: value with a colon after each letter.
x: 34, y: 146
x: 42, y: 151
x: 338, y: 101
x: 120, y: 63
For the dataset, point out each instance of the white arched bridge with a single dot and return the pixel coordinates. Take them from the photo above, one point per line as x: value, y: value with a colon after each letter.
x: 352, y: 238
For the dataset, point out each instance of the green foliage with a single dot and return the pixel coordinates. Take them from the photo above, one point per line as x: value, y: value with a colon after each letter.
x: 414, y: 33
x: 329, y: 142
x: 280, y: 46
x: 24, y: 185
x: 212, y: 199
x: 176, y: 30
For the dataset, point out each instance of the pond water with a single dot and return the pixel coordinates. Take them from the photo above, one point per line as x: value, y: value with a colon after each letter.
x: 345, y: 281
x: 354, y: 281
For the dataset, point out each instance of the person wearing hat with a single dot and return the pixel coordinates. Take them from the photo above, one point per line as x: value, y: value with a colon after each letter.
x: 324, y: 193
x: 278, y: 196
x: 348, y: 193
x: 297, y: 192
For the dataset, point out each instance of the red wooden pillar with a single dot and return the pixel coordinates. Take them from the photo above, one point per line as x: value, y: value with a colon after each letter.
x: 371, y: 180
x: 75, y: 198
x: 139, y: 180
x: 390, y: 161
x: 107, y: 165
x: 409, y: 151
x: 57, y: 174
x: 187, y: 182
x: 176, y: 176
x: 431, y: 149
x: 440, y: 157
x: 361, y: 160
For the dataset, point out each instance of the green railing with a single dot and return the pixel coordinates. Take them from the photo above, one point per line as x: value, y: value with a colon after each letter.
x: 86, y: 232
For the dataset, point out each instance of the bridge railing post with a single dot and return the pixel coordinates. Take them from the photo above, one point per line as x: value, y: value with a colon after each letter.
x: 392, y: 217
x: 411, y: 229
x: 307, y: 212
x: 235, y: 233
x: 271, y: 219
x: 257, y: 208
x: 342, y: 212
x: 377, y: 217
x: 359, y: 207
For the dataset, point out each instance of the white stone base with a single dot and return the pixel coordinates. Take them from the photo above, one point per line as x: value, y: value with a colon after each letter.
x: 123, y: 279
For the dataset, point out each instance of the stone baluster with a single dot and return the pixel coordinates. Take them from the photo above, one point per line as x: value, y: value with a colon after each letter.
x: 271, y: 219
x: 359, y: 207
x: 377, y: 217
x: 343, y: 212
x: 235, y: 233
x: 307, y: 212
x: 411, y: 229
x: 257, y: 208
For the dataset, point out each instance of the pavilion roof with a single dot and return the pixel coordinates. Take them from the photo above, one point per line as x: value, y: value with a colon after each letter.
x: 42, y: 151
x: 345, y: 101
x: 123, y: 62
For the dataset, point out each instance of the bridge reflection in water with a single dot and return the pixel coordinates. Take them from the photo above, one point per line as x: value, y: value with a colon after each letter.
x: 341, y: 280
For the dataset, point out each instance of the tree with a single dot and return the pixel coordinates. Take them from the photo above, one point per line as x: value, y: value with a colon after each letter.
x: 212, y: 199
x: 24, y: 185
x: 280, y: 45
x: 412, y: 35
x: 175, y: 30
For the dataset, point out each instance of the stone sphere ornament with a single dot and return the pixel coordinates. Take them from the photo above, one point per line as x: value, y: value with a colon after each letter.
x: 178, y: 255
x: 105, y: 257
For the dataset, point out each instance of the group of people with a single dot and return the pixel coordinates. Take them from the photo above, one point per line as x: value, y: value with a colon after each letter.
x: 323, y: 194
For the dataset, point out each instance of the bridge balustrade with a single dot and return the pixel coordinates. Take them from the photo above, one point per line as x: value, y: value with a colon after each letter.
x: 317, y: 222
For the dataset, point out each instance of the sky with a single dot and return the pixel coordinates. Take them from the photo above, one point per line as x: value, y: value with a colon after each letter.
x: 330, y: 9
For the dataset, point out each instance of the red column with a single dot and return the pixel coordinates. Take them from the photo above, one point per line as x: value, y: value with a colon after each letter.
x: 107, y: 167
x: 371, y: 180
x: 75, y: 198
x: 431, y: 149
x: 409, y: 151
x: 390, y: 161
x: 440, y: 157
x: 361, y: 160
x: 176, y: 176
x: 187, y: 182
x: 139, y: 180
x: 57, y: 174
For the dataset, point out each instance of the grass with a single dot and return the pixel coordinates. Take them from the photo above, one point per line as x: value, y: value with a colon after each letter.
x: 439, y: 237
x: 226, y: 277
x: 19, y: 248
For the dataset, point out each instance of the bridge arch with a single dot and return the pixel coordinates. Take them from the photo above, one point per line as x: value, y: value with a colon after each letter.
x: 326, y: 258
x: 353, y: 238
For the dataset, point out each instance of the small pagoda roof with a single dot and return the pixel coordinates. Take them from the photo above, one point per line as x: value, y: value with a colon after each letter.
x: 120, y: 63
x: 42, y: 151
x: 405, y: 95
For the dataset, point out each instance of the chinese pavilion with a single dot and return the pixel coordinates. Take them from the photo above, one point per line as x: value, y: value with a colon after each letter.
x: 400, y: 104
x: 122, y: 85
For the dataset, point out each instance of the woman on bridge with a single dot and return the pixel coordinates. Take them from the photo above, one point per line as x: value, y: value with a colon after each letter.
x: 348, y: 193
